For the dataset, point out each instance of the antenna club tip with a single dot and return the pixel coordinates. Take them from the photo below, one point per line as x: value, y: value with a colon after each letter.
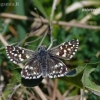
x: 35, y: 8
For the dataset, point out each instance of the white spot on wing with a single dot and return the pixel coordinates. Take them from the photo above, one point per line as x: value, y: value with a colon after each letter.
x: 69, y: 49
x: 64, y: 55
x: 73, y: 53
x: 20, y: 55
x: 34, y: 73
x: 61, y: 47
x: 65, y: 51
x: 69, y: 43
x: 26, y: 67
x: 11, y: 59
x: 34, y: 77
x: 53, y: 71
x: 50, y: 76
x: 27, y: 56
x: 55, y: 76
x: 56, y: 66
x: 71, y: 56
x: 22, y: 51
x: 31, y: 68
x: 15, y: 54
x: 61, y: 64
x: 21, y: 59
x: 57, y: 53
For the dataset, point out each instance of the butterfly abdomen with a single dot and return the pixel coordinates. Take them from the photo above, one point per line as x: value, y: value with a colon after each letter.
x: 42, y: 56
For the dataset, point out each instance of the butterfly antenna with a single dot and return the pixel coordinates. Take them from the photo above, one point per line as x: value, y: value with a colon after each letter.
x: 22, y: 41
x: 38, y: 16
x: 27, y: 43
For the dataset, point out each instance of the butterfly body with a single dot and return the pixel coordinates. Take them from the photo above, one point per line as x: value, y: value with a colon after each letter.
x: 43, y: 62
x: 42, y: 56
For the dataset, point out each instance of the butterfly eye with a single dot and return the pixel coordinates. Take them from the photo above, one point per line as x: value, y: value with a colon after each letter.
x: 41, y: 48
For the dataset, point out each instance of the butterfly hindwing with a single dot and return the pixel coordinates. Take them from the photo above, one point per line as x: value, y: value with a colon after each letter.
x: 31, y: 70
x: 56, y: 68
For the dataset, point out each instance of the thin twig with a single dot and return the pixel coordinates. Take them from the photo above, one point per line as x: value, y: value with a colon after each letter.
x: 18, y: 17
x: 43, y: 38
x: 14, y: 90
x: 51, y: 19
x: 51, y: 39
x: 59, y: 96
x: 40, y: 93
x: 53, y: 9
x: 68, y: 91
x: 61, y: 23
x: 55, y: 90
x: 77, y: 97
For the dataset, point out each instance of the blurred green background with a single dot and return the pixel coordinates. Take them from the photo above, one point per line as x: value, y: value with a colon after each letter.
x: 75, y: 19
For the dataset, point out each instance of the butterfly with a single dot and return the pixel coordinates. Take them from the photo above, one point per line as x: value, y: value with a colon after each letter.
x: 43, y: 62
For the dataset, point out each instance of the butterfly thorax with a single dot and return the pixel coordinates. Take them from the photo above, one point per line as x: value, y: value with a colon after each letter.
x: 42, y: 56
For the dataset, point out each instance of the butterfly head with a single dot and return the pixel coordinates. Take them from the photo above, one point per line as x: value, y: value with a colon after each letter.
x: 42, y: 48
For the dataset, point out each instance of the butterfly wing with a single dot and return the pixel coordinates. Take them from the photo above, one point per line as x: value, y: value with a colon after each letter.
x: 31, y: 70
x: 56, y: 68
x: 66, y: 50
x: 18, y: 54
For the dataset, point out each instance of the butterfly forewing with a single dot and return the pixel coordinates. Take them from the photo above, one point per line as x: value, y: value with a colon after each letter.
x: 66, y: 50
x: 18, y: 54
x: 56, y: 68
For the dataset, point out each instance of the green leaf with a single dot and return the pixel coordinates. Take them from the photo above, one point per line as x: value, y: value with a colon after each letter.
x: 87, y: 82
x: 16, y: 76
x: 76, y: 71
x: 95, y: 60
x: 21, y: 24
x: 74, y: 77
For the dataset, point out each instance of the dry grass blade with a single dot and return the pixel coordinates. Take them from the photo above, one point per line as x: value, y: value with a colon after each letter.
x: 59, y: 95
x: 68, y: 91
x: 3, y: 40
x: 77, y: 5
x: 40, y: 93
x: 61, y: 23
x: 73, y: 98
x: 55, y: 90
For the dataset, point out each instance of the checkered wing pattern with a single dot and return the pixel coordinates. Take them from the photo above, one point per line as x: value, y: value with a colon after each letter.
x: 18, y: 54
x: 56, y: 68
x: 66, y: 50
x: 31, y: 70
